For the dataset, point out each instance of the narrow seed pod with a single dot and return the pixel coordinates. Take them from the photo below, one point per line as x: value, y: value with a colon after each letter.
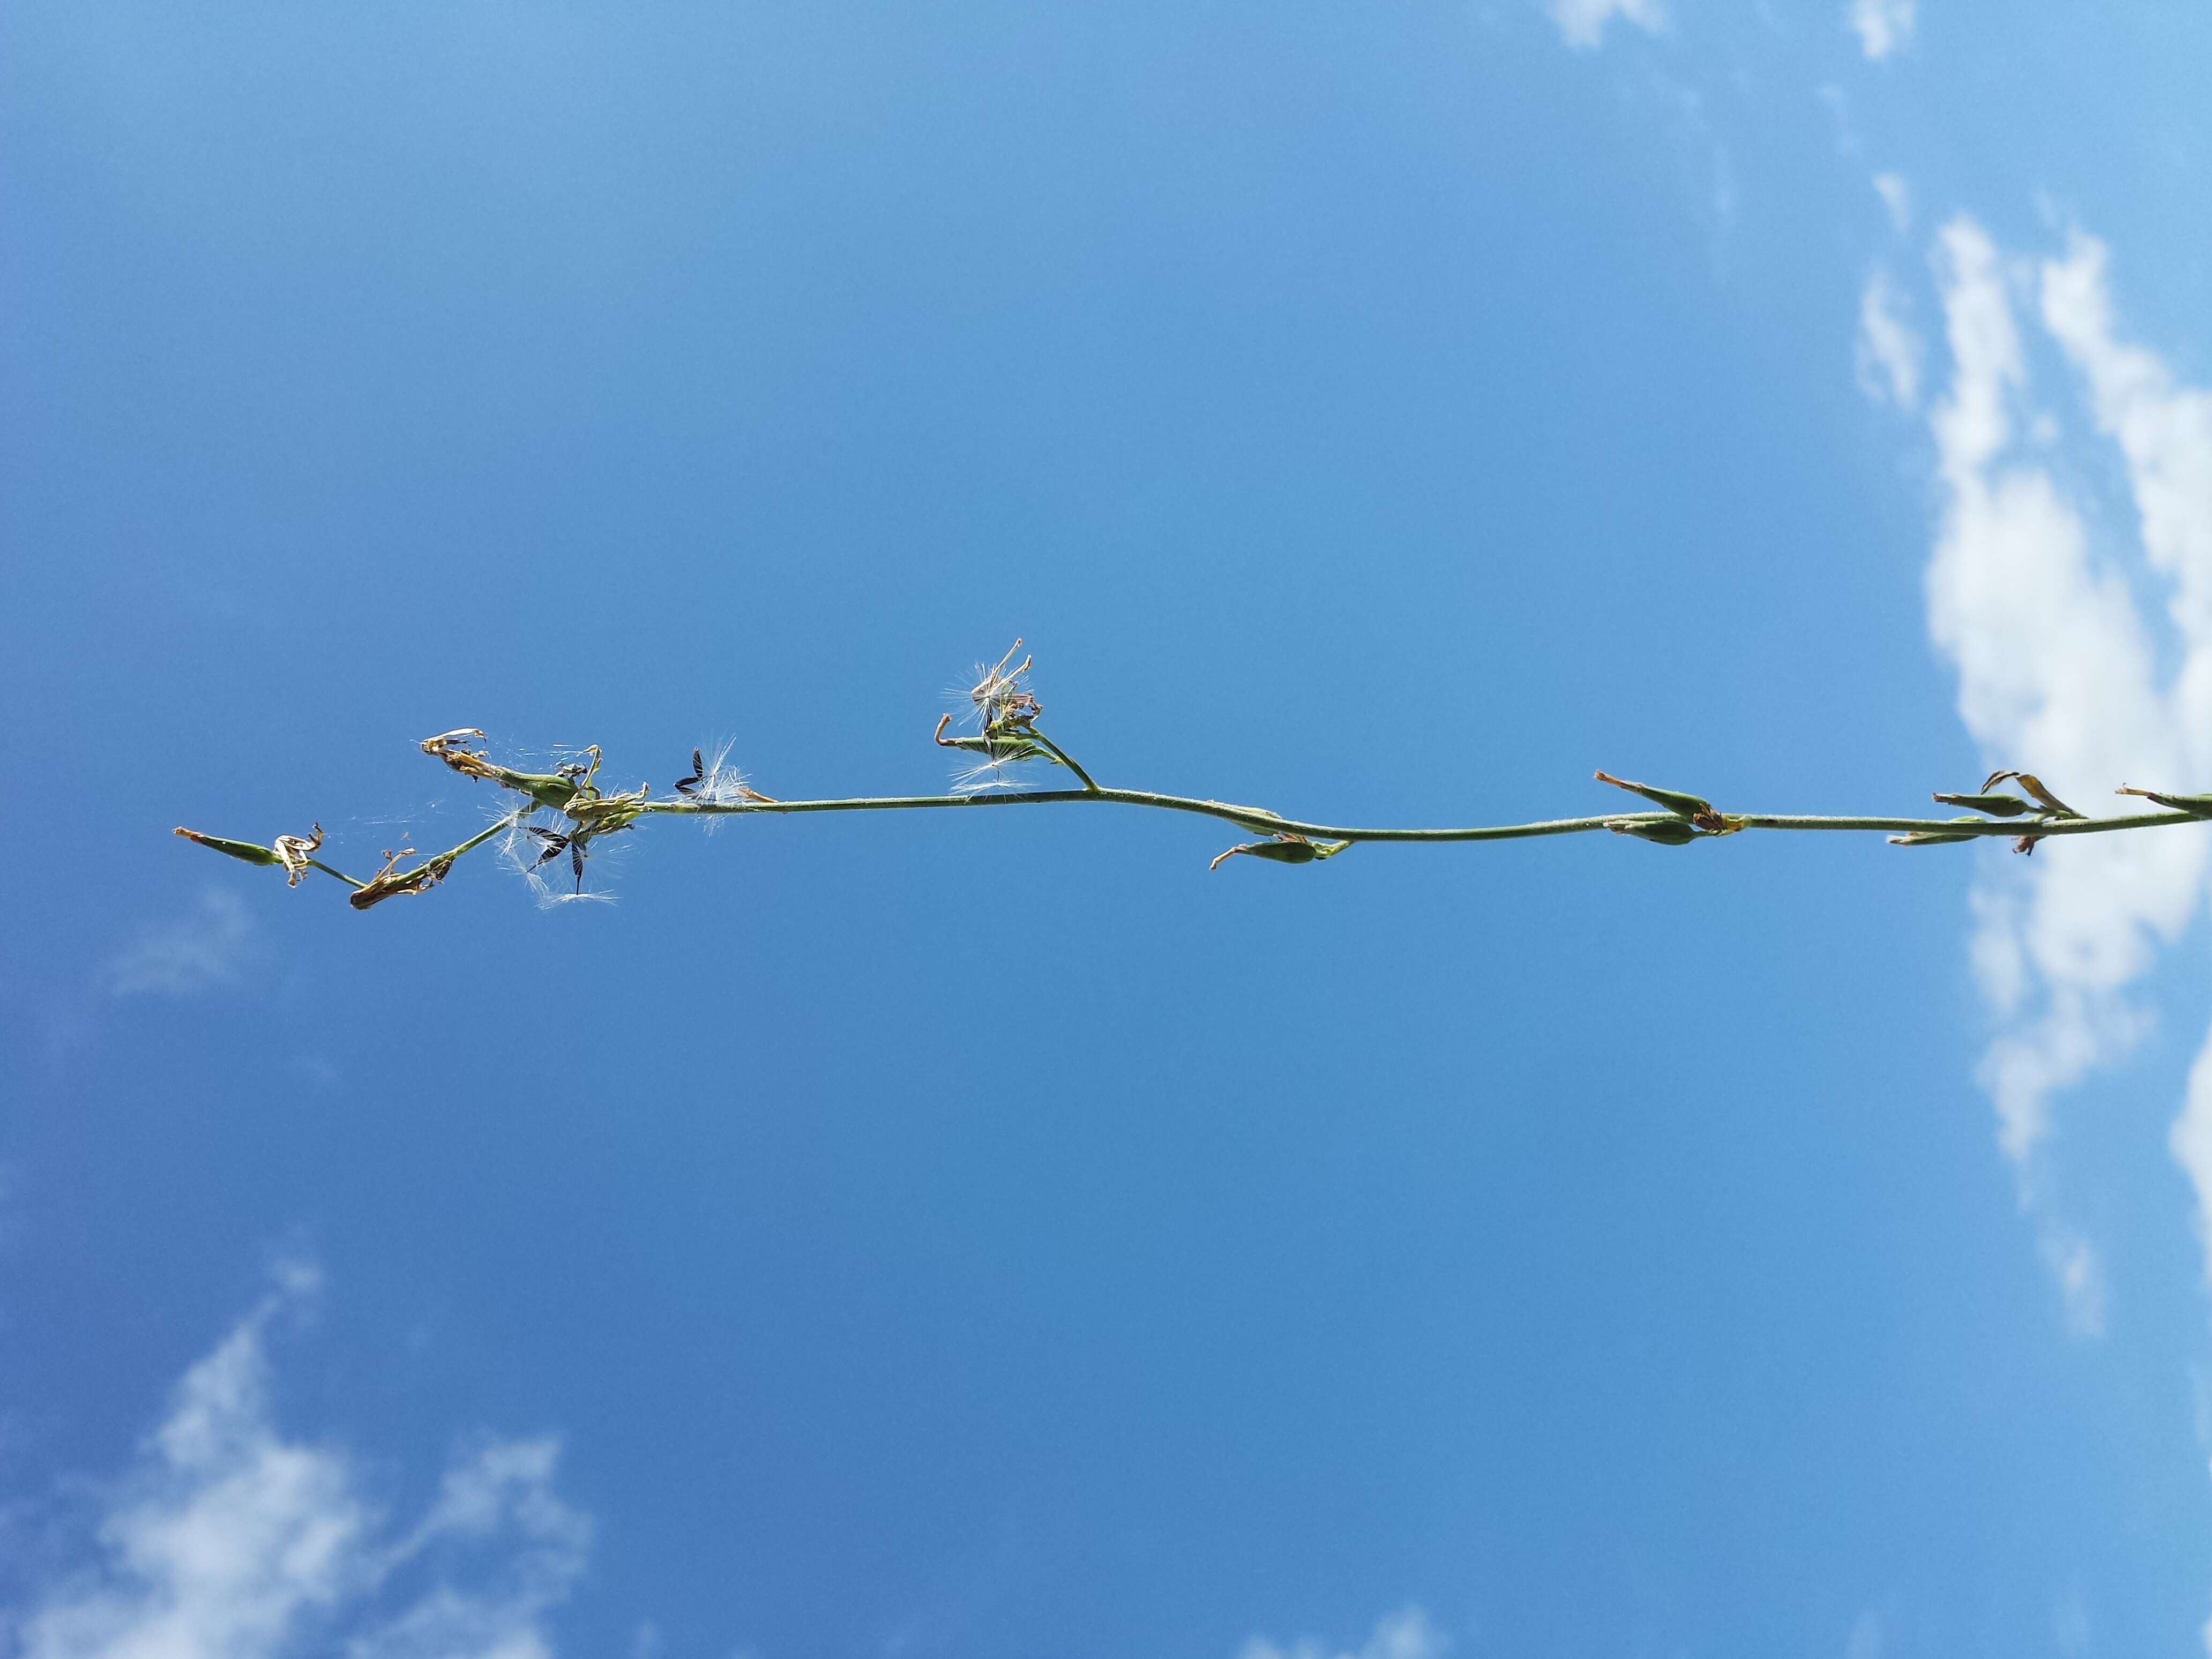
x: 1928, y: 838
x: 1285, y: 849
x: 237, y: 849
x: 2197, y: 807
x: 1688, y: 806
x: 1666, y: 832
x: 1997, y: 806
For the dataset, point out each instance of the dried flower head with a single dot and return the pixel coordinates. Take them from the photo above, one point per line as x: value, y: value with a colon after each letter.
x: 293, y: 853
x: 1001, y: 698
x: 452, y: 748
x: 552, y: 789
x: 1003, y: 712
x: 391, y: 882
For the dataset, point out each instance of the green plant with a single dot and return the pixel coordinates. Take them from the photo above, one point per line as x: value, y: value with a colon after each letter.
x: 565, y: 812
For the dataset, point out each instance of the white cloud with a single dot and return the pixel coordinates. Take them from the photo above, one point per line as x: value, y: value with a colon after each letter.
x: 1888, y: 351
x: 1582, y: 22
x: 1408, y: 1633
x: 1896, y: 198
x: 1832, y: 99
x: 1866, y: 1637
x: 2190, y: 1140
x: 228, y: 1540
x: 2164, y: 432
x: 186, y: 957
x: 2060, y: 672
x: 1883, y: 26
x: 2079, y: 1272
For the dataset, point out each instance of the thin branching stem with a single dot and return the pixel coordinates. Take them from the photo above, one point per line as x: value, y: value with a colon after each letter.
x: 1066, y: 760
x: 1253, y: 817
x: 1005, y: 714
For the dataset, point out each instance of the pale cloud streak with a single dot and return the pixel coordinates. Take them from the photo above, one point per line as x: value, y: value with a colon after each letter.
x: 2164, y: 431
x: 1408, y: 1633
x: 186, y: 957
x: 1889, y: 350
x: 1883, y: 26
x: 228, y: 1540
x: 1582, y: 22
x: 2059, y: 672
x: 1896, y: 199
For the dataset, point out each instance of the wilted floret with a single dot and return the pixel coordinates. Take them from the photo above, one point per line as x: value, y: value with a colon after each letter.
x: 392, y: 882
x: 1003, y: 712
x: 1001, y: 697
x: 293, y: 853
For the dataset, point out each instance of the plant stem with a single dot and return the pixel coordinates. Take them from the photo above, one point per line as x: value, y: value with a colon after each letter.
x: 1061, y: 756
x: 1694, y: 820
x: 1250, y: 817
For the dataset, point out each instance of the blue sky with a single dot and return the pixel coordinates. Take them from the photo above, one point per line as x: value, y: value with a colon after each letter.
x: 993, y: 1234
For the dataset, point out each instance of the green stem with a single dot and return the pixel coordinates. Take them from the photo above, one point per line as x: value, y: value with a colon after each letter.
x: 1704, y: 824
x: 1062, y: 757
x: 474, y: 840
x: 1251, y: 818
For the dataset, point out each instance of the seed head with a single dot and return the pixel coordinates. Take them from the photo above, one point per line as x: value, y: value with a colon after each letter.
x: 293, y: 852
x: 1003, y: 710
x: 1001, y: 698
x: 715, y: 782
x: 392, y: 882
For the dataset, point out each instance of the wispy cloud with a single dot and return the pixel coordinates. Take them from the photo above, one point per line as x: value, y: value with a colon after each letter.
x: 229, y: 1540
x: 1582, y: 22
x: 1896, y: 199
x: 183, y: 957
x: 2060, y: 671
x: 1889, y: 351
x: 1883, y: 26
x: 2164, y: 432
x: 1408, y: 1633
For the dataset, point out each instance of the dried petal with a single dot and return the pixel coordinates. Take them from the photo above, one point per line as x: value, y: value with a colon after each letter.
x: 2033, y: 786
x: 391, y: 882
x: 293, y: 853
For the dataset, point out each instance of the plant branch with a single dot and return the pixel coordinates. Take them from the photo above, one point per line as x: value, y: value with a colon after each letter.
x: 1254, y: 817
x: 1006, y: 713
